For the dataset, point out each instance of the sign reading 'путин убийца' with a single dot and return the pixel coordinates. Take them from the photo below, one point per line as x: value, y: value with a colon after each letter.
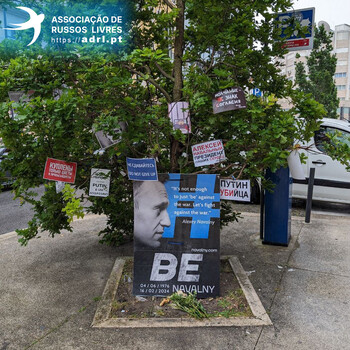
x: 235, y: 190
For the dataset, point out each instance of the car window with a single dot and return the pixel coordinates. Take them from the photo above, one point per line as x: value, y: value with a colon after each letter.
x: 321, y: 137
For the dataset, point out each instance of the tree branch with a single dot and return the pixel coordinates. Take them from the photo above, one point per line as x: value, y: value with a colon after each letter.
x: 241, y: 172
x: 169, y: 3
x: 151, y: 80
x: 213, y: 169
x: 211, y: 62
x: 162, y: 71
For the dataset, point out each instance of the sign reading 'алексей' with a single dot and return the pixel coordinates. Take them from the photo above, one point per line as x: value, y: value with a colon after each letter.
x: 207, y: 153
x: 59, y: 170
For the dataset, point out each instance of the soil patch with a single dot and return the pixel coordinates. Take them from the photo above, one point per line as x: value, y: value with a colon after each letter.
x: 231, y: 303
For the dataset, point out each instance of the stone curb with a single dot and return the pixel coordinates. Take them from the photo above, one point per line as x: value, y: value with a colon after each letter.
x: 8, y: 235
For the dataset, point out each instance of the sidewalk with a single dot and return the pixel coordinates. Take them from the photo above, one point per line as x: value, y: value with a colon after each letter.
x: 47, y: 291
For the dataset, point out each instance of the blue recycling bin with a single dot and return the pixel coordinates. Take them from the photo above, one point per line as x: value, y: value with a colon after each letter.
x: 278, y: 204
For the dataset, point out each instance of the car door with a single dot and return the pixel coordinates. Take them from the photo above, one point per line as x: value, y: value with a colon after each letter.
x: 332, y: 180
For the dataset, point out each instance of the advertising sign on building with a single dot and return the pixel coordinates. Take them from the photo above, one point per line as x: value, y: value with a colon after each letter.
x: 298, y: 40
x: 142, y: 169
x: 59, y: 170
x: 99, y: 182
x: 177, y: 235
x: 235, y: 190
x: 229, y: 100
x: 180, y: 116
x: 207, y: 153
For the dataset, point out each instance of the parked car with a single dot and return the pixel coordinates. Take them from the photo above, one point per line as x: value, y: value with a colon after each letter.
x: 332, y: 180
x: 5, y: 177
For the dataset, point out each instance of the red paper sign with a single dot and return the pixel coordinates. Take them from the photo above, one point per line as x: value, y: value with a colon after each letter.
x: 297, y: 43
x: 59, y: 170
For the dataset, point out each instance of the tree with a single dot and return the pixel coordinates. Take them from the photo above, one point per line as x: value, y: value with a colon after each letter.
x: 222, y: 45
x: 321, y: 65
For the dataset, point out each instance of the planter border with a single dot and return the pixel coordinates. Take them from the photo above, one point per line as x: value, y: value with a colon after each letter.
x: 102, y: 317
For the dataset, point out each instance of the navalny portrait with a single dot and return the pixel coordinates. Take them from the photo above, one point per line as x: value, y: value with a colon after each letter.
x: 150, y: 213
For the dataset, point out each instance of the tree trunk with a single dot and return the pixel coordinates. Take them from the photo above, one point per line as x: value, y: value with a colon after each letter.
x: 177, y: 91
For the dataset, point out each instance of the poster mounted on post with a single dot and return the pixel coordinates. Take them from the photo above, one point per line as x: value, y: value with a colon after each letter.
x: 180, y: 116
x: 208, y: 153
x: 59, y: 170
x: 304, y: 18
x: 229, y: 100
x: 177, y: 235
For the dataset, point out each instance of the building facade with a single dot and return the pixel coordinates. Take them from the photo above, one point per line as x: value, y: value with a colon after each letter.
x: 341, y: 47
x: 7, y: 17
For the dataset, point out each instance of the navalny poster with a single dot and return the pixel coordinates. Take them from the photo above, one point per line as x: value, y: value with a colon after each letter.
x: 177, y: 235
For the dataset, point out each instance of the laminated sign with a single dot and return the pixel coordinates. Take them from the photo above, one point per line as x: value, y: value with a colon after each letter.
x: 19, y: 96
x: 229, y: 100
x: 59, y: 186
x: 59, y: 170
x: 142, y: 169
x: 106, y: 140
x: 180, y: 116
x: 177, y: 235
x: 99, y: 183
x: 207, y: 153
x: 235, y: 190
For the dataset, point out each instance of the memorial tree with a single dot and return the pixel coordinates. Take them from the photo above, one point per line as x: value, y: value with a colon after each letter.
x: 167, y: 51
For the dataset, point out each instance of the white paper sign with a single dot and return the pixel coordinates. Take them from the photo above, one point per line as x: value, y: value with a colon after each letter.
x: 107, y: 140
x: 235, y: 190
x: 207, y: 153
x: 180, y: 116
x: 59, y: 186
x: 99, y: 183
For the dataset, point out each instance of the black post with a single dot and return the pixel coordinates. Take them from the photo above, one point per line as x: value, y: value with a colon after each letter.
x: 310, y: 189
x: 262, y: 208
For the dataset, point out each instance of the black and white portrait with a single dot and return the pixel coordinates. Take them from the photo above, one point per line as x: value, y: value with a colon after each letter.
x: 150, y: 213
